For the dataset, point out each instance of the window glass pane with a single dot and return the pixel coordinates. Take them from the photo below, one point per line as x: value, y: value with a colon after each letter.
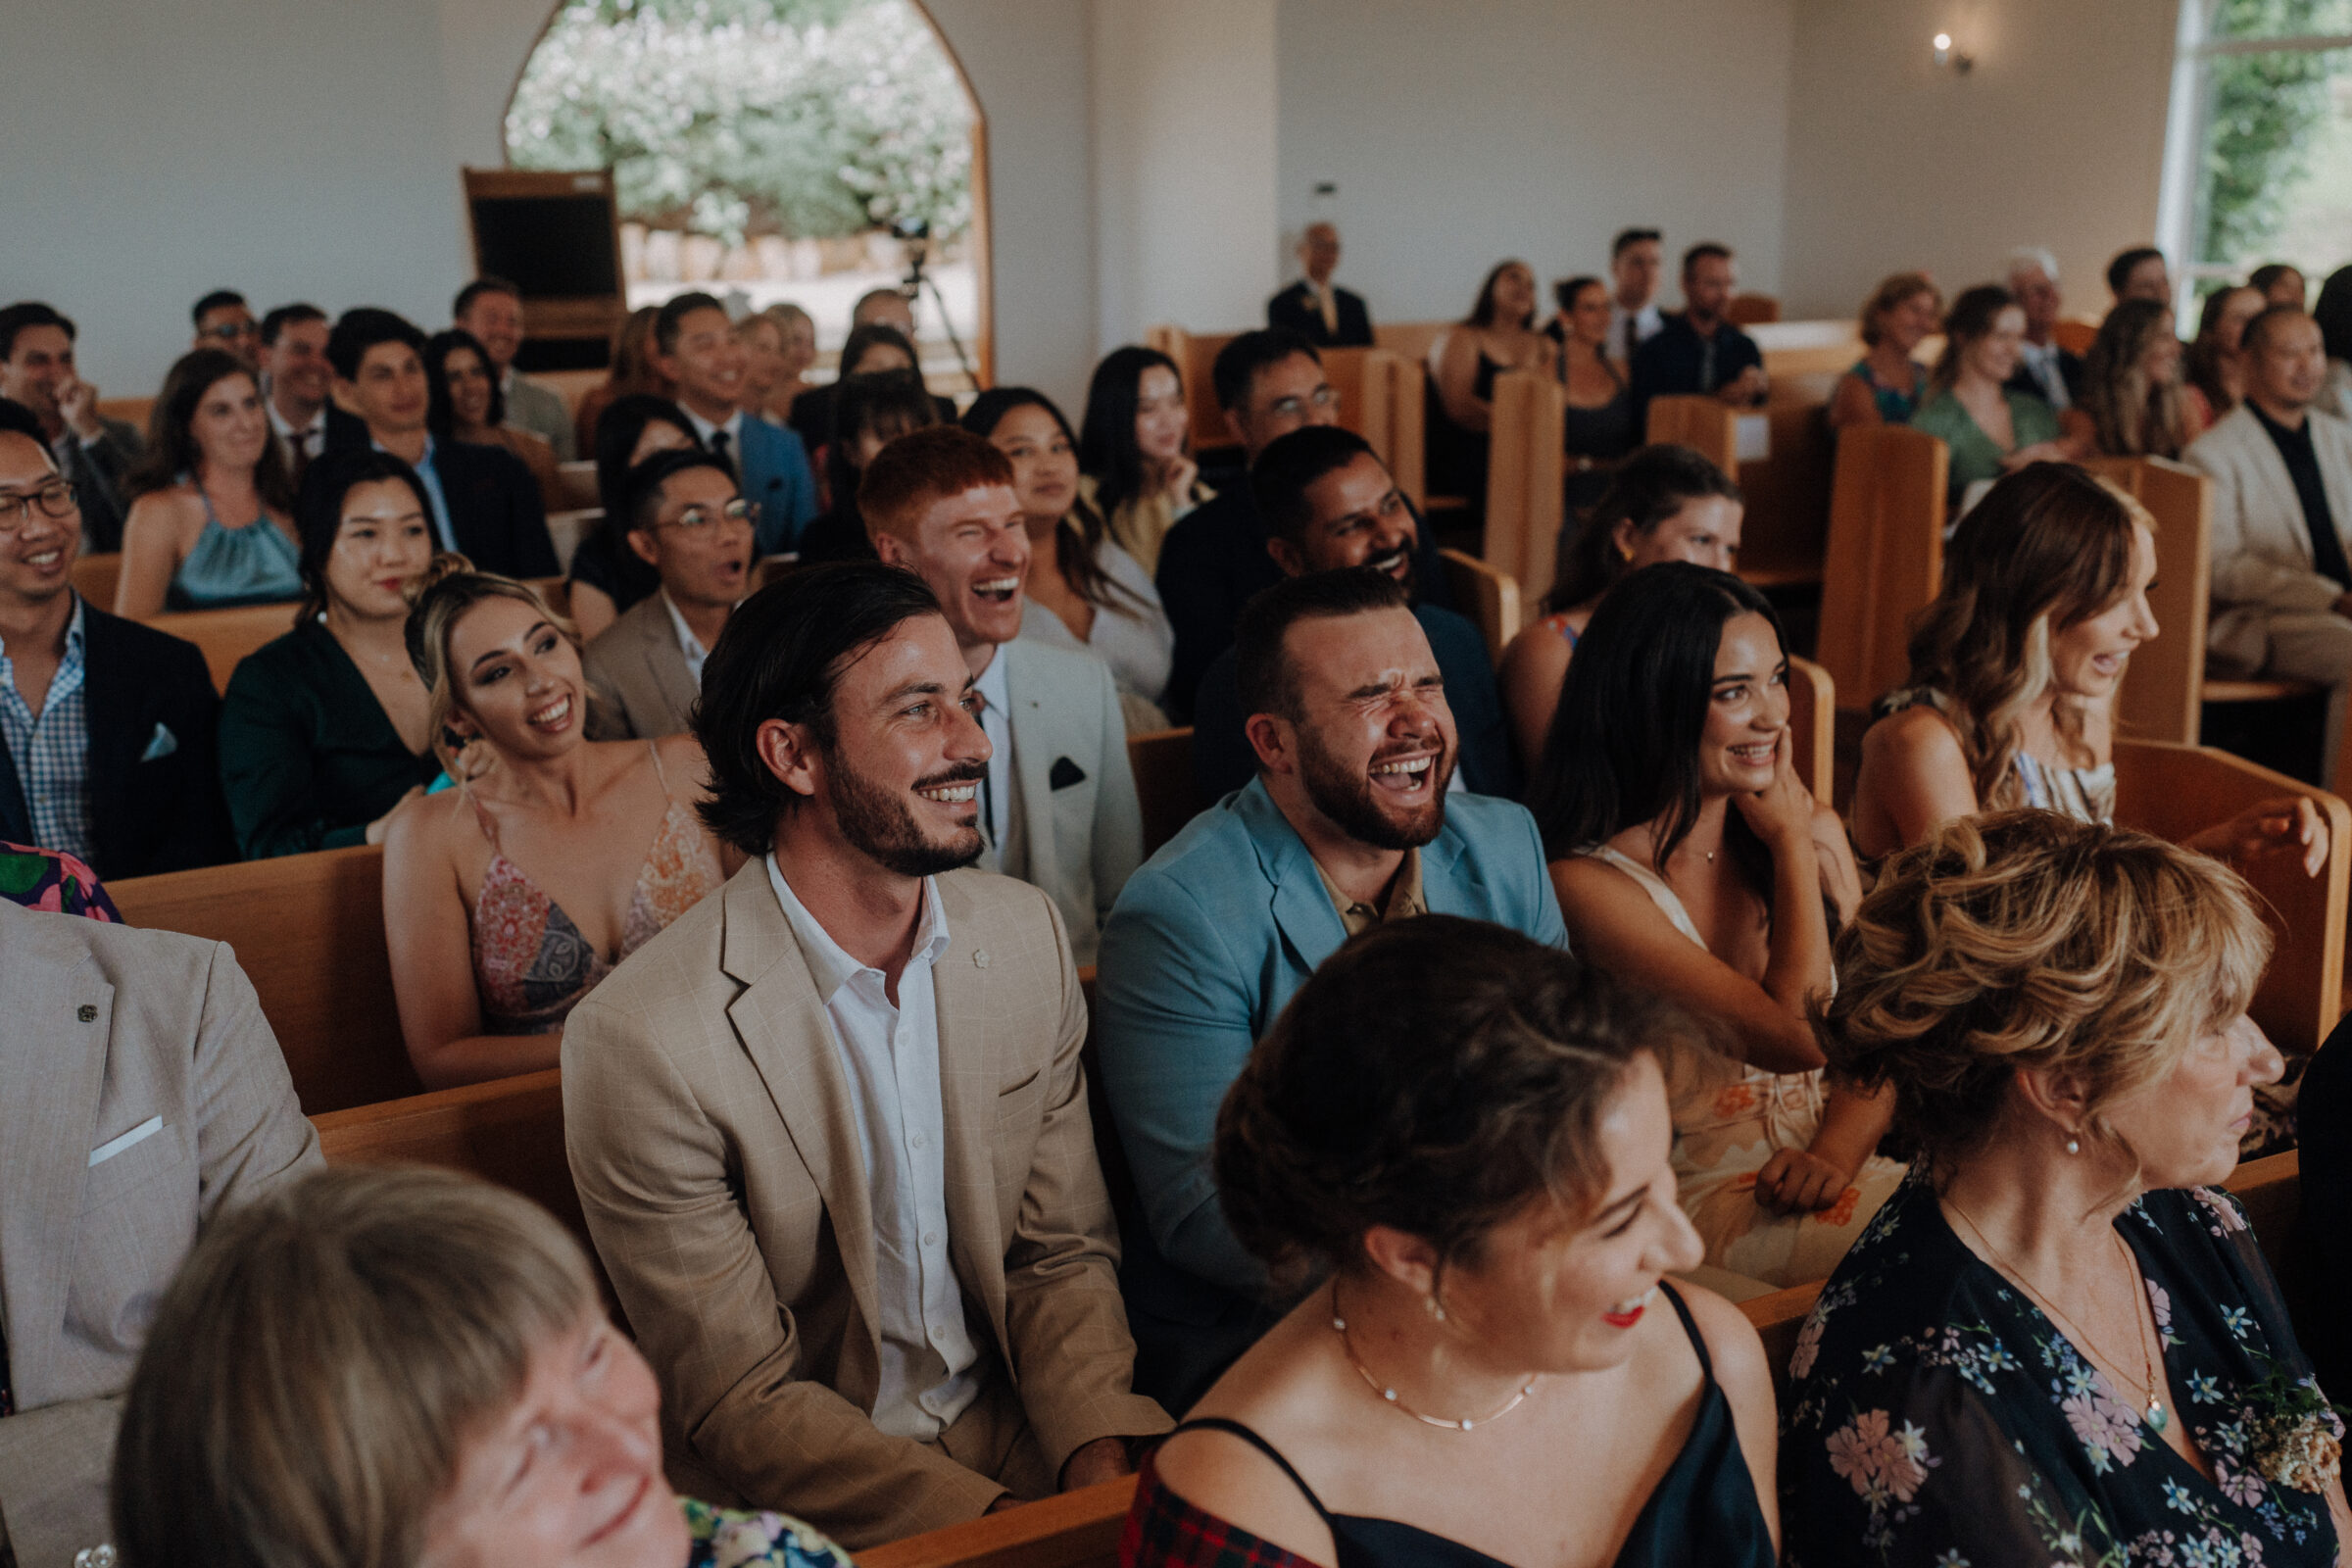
x: 2280, y: 19
x: 2277, y: 175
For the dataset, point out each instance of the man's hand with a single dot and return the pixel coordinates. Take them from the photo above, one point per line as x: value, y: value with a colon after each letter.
x: 1746, y: 389
x: 1104, y: 1459
x: 78, y: 406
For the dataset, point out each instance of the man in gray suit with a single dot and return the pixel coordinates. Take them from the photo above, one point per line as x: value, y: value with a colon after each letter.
x: 141, y: 1093
x: 689, y: 523
x: 491, y: 308
x: 95, y: 453
x: 1058, y: 809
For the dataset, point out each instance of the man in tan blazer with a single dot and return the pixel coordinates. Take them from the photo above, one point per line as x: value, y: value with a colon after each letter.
x: 2282, y: 520
x: 830, y: 1130
x: 140, y: 1092
x: 687, y: 521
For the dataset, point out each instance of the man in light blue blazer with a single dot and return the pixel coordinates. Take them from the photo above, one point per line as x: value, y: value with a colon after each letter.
x: 1346, y: 825
x: 1058, y: 809
x: 695, y: 345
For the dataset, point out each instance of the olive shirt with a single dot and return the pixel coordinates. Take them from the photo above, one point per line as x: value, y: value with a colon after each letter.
x: 1973, y: 456
x: 307, y: 756
x: 1400, y: 902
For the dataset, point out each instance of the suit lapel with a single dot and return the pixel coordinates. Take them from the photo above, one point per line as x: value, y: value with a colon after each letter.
x: 968, y: 1053
x: 112, y: 723
x: 52, y: 1069
x: 664, y: 660
x: 2331, y: 443
x: 2285, y: 502
x: 1301, y: 906
x: 1035, y: 745
x: 785, y: 1031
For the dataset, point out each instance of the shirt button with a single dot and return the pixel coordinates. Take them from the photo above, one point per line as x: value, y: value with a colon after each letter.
x: 930, y: 1238
x: 916, y: 1139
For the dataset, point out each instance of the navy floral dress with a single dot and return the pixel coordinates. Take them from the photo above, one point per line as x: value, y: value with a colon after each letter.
x: 726, y: 1539
x: 1937, y: 1418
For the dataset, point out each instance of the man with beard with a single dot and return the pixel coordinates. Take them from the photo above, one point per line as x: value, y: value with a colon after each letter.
x: 829, y: 1129
x: 1058, y: 805
x: 1329, y: 503
x: 1346, y: 824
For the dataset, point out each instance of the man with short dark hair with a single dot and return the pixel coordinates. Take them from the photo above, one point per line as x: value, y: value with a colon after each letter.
x: 1329, y: 504
x: 1268, y: 382
x: 95, y: 454
x: 2282, y: 549
x: 1346, y: 824
x: 1635, y: 262
x: 297, y: 380
x: 491, y: 308
x: 224, y: 322
x: 2138, y: 274
x: 485, y: 504
x: 830, y: 1130
x: 1699, y: 351
x: 105, y: 726
x: 1059, y: 807
x: 685, y: 518
x: 695, y: 345
x: 1316, y: 308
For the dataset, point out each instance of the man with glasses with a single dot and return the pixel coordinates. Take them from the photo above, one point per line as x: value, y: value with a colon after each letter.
x: 105, y: 726
x: 226, y: 322
x: 94, y: 452
x: 687, y: 521
x: 1269, y: 383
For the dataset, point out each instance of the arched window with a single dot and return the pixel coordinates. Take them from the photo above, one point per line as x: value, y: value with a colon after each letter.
x: 2258, y: 161
x: 772, y: 151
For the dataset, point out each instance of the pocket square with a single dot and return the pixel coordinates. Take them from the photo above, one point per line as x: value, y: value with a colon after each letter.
x: 137, y: 1135
x: 1064, y: 773
x: 163, y: 743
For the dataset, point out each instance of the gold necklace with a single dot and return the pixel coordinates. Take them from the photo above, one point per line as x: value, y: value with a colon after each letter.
x: 1338, y: 1326
x: 2153, y: 1412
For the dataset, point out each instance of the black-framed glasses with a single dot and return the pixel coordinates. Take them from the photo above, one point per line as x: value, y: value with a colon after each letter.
x: 56, y: 499
x: 1322, y: 397
x: 230, y: 331
x: 695, y: 519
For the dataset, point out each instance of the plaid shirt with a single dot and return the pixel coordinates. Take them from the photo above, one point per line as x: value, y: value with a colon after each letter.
x: 1164, y: 1531
x: 52, y: 748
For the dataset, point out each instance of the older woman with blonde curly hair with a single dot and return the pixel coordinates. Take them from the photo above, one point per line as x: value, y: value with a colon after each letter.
x: 2058, y: 1340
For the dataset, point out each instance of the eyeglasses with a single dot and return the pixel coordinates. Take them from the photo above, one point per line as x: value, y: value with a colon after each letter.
x: 55, y: 499
x: 230, y: 331
x: 695, y: 519
x: 1320, y: 399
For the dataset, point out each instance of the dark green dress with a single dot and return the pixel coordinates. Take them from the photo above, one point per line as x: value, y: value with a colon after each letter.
x: 308, y: 756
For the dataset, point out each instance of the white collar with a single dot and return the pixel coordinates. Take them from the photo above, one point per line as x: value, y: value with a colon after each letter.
x: 829, y: 965
x: 732, y: 425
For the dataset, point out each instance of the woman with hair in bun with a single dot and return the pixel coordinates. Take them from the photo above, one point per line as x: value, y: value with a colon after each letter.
x: 1462, y: 1135
x: 2058, y: 1342
x: 506, y: 899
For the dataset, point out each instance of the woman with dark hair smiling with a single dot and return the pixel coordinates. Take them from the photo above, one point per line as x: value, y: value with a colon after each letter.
x: 463, y: 402
x: 210, y: 455
x: 1136, y: 472
x: 1689, y: 858
x: 1497, y: 335
x: 322, y: 733
x: 1461, y: 1137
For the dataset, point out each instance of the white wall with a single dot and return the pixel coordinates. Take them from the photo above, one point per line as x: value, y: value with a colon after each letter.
x: 1463, y: 132
x: 280, y: 147
x: 1184, y: 119
x: 2056, y: 138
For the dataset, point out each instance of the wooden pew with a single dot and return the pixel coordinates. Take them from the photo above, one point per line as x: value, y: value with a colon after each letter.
x: 1525, y: 478
x: 1752, y: 310
x: 2075, y: 333
x: 1813, y: 726
x: 1488, y: 597
x: 1075, y: 1530
x: 1414, y: 341
x: 1884, y: 557
x: 226, y: 636
x: 1194, y: 353
x: 509, y: 1131
x: 133, y: 411
x: 1708, y: 426
x: 1162, y: 763
x: 578, y: 479
x: 308, y: 932
x: 1785, y: 535
x: 95, y: 577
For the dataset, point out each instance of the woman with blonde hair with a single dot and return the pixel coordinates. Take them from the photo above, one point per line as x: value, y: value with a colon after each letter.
x: 1887, y: 385
x: 508, y: 899
x: 2059, y: 1340
x: 2132, y: 387
x: 780, y: 344
x: 382, y: 1367
x: 2216, y: 360
x: 632, y: 370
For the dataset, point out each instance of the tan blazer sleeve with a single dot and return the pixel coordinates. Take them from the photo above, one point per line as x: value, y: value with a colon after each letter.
x: 54, y: 1465
x: 1073, y: 1356
x: 250, y: 1132
x: 655, y: 1182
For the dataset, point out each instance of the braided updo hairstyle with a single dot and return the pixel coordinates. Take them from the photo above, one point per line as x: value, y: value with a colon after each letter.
x: 2029, y: 940
x: 1435, y: 1075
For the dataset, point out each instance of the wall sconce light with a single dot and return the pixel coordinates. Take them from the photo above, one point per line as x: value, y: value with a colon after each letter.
x: 1949, y: 59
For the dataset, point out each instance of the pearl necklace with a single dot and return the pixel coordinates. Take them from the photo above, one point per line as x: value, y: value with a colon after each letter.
x: 1338, y: 1326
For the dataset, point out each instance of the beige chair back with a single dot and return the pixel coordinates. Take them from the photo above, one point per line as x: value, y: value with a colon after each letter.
x: 1884, y: 557
x: 1526, y: 477
x: 1488, y: 597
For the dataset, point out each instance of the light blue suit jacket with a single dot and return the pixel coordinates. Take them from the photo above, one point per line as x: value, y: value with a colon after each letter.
x: 1206, y: 945
x: 776, y: 474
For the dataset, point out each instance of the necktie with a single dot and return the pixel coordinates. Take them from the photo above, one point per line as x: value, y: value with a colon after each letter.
x: 1633, y: 326
x: 299, y: 448
x: 1331, y: 308
x: 719, y: 450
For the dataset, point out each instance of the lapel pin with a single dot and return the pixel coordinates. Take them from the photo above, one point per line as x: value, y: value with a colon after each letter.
x: 979, y: 957
x: 87, y: 1012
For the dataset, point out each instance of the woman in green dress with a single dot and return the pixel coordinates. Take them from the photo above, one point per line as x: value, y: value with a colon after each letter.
x: 323, y: 731
x: 1990, y: 429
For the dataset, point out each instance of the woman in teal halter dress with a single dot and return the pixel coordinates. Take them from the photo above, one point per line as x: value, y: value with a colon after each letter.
x: 211, y: 450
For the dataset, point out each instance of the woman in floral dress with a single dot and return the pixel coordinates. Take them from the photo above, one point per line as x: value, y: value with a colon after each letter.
x: 2057, y: 1343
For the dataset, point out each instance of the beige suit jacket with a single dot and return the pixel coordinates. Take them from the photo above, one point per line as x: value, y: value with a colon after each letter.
x: 140, y: 1091
x: 713, y: 1142
x: 637, y: 663
x: 2262, y: 556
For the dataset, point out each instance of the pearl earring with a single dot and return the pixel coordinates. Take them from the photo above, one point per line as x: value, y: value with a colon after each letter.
x: 2074, y: 1146
x: 1437, y: 1308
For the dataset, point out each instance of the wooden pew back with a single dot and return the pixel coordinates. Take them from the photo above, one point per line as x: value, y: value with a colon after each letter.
x: 1525, y: 476
x: 1075, y: 1530
x: 1162, y: 763
x: 308, y: 932
x: 1194, y: 353
x: 578, y: 479
x: 1708, y: 426
x: 1380, y: 398
x: 1813, y: 725
x: 1783, y: 536
x: 2164, y: 692
x: 1752, y: 310
x: 1884, y: 557
x: 95, y: 576
x: 2173, y: 791
x: 1410, y: 340
x: 1489, y: 598
x: 225, y: 637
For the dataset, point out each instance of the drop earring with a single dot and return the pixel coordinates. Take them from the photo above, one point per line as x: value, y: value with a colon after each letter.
x: 1437, y: 1308
x: 2074, y: 1144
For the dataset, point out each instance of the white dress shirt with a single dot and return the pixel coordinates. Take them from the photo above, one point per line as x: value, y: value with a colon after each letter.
x: 890, y: 1055
x: 1644, y: 323
x: 311, y: 437
x: 2040, y: 361
x: 995, y: 718
x: 688, y: 643
x: 732, y: 428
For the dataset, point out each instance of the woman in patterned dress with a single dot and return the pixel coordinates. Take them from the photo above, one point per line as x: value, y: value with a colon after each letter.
x: 2057, y: 1342
x: 399, y: 1366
